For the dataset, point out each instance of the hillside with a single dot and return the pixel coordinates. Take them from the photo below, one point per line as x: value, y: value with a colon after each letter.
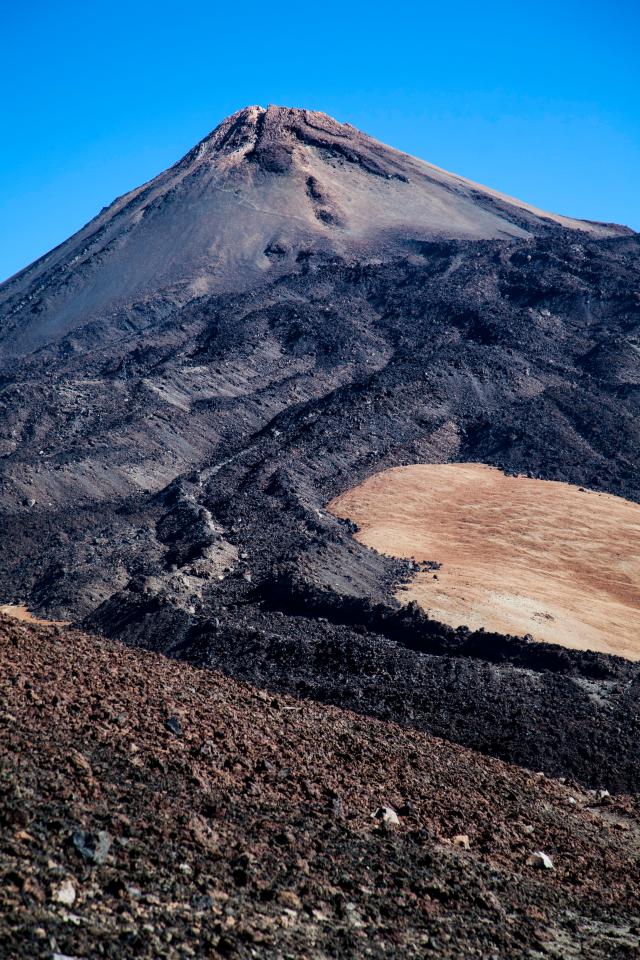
x: 192, y: 379
x: 153, y: 809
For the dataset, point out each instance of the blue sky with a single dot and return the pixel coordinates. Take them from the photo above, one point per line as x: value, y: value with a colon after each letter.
x: 540, y: 99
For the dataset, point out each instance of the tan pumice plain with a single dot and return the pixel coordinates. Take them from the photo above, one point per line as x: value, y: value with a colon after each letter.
x: 518, y: 555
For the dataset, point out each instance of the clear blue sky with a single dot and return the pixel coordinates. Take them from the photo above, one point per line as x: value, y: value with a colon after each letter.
x: 538, y: 99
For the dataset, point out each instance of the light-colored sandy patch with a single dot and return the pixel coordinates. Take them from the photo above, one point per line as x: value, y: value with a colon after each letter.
x: 19, y: 612
x: 518, y: 556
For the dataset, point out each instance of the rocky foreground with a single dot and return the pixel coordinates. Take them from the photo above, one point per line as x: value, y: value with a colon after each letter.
x: 152, y: 809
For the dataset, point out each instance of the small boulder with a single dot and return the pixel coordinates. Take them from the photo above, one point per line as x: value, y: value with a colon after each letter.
x: 386, y: 815
x: 174, y: 726
x: 64, y: 893
x: 540, y: 860
x: 92, y: 846
x: 461, y: 840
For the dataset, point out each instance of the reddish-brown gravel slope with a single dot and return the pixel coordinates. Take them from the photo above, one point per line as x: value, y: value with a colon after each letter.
x: 247, y: 830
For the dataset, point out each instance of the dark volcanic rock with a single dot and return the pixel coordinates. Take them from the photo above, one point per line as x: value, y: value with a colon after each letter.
x: 92, y: 846
x: 174, y: 726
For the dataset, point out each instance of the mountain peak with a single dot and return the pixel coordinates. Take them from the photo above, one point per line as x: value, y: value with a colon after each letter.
x: 266, y: 189
x: 273, y: 137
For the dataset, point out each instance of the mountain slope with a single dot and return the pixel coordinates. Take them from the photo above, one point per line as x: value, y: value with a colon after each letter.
x: 265, y: 189
x: 165, y: 466
x: 155, y: 810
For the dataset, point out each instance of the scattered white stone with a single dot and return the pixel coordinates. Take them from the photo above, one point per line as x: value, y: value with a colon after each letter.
x: 461, y: 840
x: 540, y: 860
x: 353, y: 917
x: 572, y: 802
x: 603, y: 796
x: 65, y: 893
x: 387, y: 815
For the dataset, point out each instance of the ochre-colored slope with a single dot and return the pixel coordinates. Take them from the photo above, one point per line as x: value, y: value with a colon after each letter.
x: 518, y: 555
x: 19, y: 612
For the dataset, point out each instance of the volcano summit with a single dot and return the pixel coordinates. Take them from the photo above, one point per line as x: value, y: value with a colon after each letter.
x: 250, y: 202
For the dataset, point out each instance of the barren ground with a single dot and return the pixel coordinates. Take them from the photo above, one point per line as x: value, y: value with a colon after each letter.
x: 19, y: 612
x: 518, y: 556
x: 151, y: 809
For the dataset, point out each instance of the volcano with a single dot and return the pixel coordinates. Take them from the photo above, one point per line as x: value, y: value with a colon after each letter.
x: 294, y: 308
x: 251, y: 201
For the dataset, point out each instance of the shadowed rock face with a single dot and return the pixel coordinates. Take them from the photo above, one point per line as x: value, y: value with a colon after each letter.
x: 197, y: 373
x: 248, y: 203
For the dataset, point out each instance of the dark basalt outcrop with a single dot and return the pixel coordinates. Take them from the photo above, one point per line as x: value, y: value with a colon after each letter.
x: 169, y: 440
